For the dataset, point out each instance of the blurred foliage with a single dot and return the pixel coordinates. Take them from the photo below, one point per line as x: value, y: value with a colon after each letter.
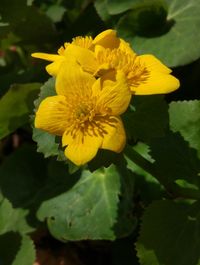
x: 148, y: 196
x: 171, y: 223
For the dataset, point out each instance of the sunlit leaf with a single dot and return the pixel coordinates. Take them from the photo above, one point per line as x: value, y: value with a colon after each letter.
x: 92, y: 201
x: 46, y: 143
x: 26, y: 253
x: 13, y: 219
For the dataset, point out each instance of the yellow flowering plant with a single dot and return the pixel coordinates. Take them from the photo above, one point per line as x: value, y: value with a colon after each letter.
x: 107, y: 54
x: 99, y: 161
x: 95, y: 79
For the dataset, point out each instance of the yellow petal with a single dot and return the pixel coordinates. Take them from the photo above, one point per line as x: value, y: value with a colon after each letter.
x: 153, y: 64
x: 107, y: 39
x: 83, y: 56
x: 104, y: 79
x: 53, y: 68
x: 82, y: 148
x: 156, y: 83
x: 51, y: 115
x: 125, y: 47
x: 101, y: 55
x: 71, y: 79
x: 113, y: 95
x: 115, y: 139
x: 46, y: 56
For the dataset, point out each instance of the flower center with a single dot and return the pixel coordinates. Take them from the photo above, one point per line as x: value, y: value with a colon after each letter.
x: 84, y: 113
x: 137, y: 74
x: 87, y: 117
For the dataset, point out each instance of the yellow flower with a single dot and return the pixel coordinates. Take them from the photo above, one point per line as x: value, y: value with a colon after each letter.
x: 85, y: 112
x: 107, y: 53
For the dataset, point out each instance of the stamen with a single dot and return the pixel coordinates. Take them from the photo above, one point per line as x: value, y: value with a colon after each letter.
x: 117, y: 59
x: 85, y: 42
x: 86, y: 116
x: 61, y: 50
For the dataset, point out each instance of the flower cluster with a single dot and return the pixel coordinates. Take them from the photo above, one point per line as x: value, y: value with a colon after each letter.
x: 95, y: 79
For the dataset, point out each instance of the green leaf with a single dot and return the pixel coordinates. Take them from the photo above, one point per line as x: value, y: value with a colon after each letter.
x: 26, y: 254
x: 185, y: 118
x: 102, y: 11
x: 16, y: 250
x: 170, y: 234
x: 16, y: 106
x: 101, y: 8
x: 18, y: 13
x: 152, y: 29
x: 174, y: 159
x: 46, y: 143
x: 119, y: 6
x: 22, y: 174
x: 56, y: 12
x: 149, y: 118
x: 47, y: 90
x: 88, y: 210
x: 13, y: 219
x: 143, y: 150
